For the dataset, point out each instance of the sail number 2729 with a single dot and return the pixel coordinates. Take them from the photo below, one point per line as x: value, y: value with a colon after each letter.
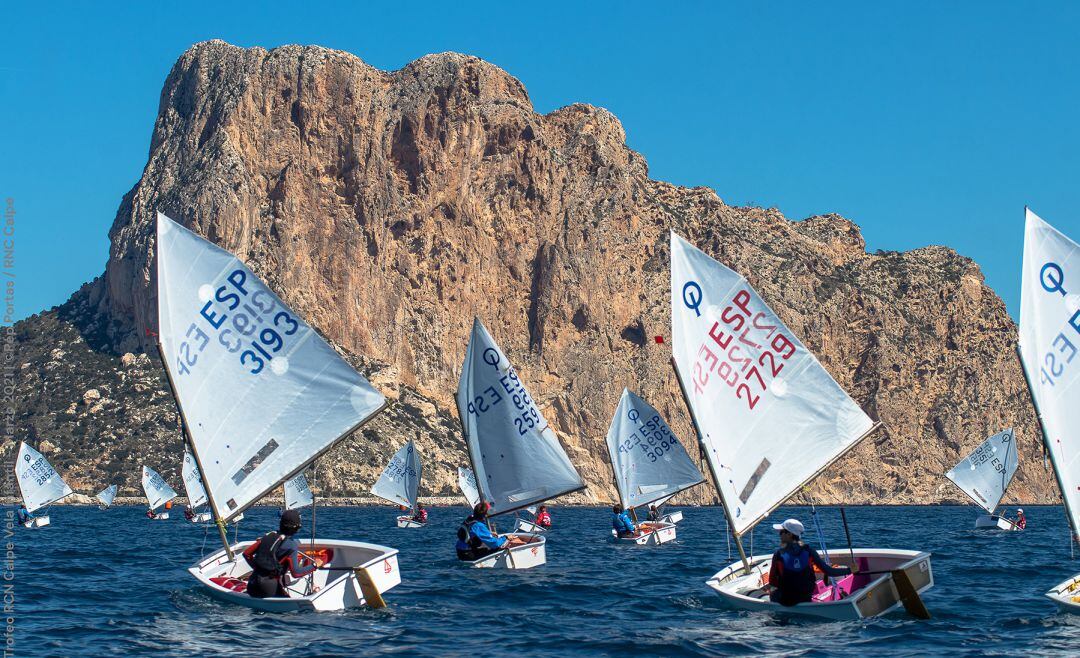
x: 745, y: 348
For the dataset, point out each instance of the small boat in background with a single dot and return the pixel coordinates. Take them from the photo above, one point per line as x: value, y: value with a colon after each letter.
x: 650, y: 466
x: 196, y: 493
x: 158, y: 493
x: 517, y: 459
x: 1047, y: 345
x: 297, y: 493
x: 400, y: 484
x: 770, y: 418
x: 985, y: 474
x: 106, y: 496
x: 39, y: 484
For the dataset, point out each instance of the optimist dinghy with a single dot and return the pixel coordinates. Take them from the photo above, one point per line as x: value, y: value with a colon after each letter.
x: 985, y: 474
x: 196, y: 493
x: 517, y: 459
x: 158, y: 493
x: 525, y: 525
x: 650, y: 465
x: 298, y: 493
x: 770, y: 418
x: 261, y: 396
x: 1048, y: 344
x: 400, y: 484
x: 39, y: 484
x: 106, y: 497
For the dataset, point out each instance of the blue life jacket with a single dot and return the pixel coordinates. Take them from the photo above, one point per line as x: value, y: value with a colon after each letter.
x: 621, y: 523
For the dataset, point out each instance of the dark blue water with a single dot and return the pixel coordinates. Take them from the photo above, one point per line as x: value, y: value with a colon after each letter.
x: 112, y: 583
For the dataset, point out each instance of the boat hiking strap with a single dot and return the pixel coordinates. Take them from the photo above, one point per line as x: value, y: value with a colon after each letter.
x: 371, y: 593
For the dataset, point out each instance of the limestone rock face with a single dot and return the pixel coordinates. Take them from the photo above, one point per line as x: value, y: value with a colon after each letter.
x: 389, y: 208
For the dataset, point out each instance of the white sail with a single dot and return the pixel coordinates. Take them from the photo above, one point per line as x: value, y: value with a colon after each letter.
x: 400, y: 481
x: 1049, y: 341
x: 107, y: 495
x: 298, y: 493
x: 770, y: 416
x: 516, y: 456
x: 467, y: 483
x: 263, y: 394
x: 986, y: 473
x: 193, y: 485
x: 39, y: 483
x: 650, y: 463
x: 158, y: 492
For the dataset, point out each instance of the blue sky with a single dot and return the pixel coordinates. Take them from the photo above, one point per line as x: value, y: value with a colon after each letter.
x: 925, y: 123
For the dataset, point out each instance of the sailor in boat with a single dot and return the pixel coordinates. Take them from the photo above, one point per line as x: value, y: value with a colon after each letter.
x: 1021, y: 520
x: 189, y: 513
x: 621, y: 523
x: 151, y: 514
x: 654, y: 513
x: 421, y: 514
x: 24, y: 515
x: 791, y: 578
x: 477, y: 540
x: 277, y: 555
x: 543, y: 518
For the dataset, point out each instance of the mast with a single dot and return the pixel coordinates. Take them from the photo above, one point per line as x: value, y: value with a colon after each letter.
x: 194, y: 452
x: 1046, y: 441
x: 712, y: 471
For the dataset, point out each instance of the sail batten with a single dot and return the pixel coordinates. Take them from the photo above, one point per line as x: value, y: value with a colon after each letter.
x: 39, y: 483
x: 516, y: 457
x: 400, y: 480
x: 649, y: 461
x: 157, y: 490
x: 297, y: 492
x: 985, y: 474
x: 1048, y: 346
x: 770, y: 416
x: 262, y: 393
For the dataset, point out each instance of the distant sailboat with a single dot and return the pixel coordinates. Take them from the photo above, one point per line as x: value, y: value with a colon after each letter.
x: 158, y: 493
x: 196, y: 493
x: 985, y: 474
x: 1049, y: 341
x: 467, y: 484
x: 298, y: 493
x: 769, y: 419
x: 515, y: 455
x: 261, y: 395
x: 400, y: 484
x: 39, y: 484
x: 106, y: 496
x: 650, y: 465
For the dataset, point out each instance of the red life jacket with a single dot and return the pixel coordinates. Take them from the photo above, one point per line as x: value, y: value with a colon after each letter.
x: 544, y: 519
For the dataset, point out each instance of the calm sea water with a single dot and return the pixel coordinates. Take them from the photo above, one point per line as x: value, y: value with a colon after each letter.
x: 108, y: 583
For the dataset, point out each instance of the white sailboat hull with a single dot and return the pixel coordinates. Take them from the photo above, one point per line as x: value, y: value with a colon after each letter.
x: 408, y: 522
x: 871, y: 595
x: 994, y: 522
x: 201, y: 517
x: 653, y: 533
x: 529, y: 527
x: 160, y: 516
x: 1066, y: 595
x: 338, y: 589
x: 37, y: 522
x: 672, y: 517
x: 526, y: 556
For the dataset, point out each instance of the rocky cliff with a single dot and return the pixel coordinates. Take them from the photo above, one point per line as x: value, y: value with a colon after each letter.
x: 389, y: 208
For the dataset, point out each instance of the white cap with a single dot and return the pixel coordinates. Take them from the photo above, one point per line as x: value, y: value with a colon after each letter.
x: 791, y: 525
x: 1019, y: 510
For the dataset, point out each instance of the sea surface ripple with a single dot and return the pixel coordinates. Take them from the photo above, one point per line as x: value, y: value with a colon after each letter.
x: 111, y: 583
